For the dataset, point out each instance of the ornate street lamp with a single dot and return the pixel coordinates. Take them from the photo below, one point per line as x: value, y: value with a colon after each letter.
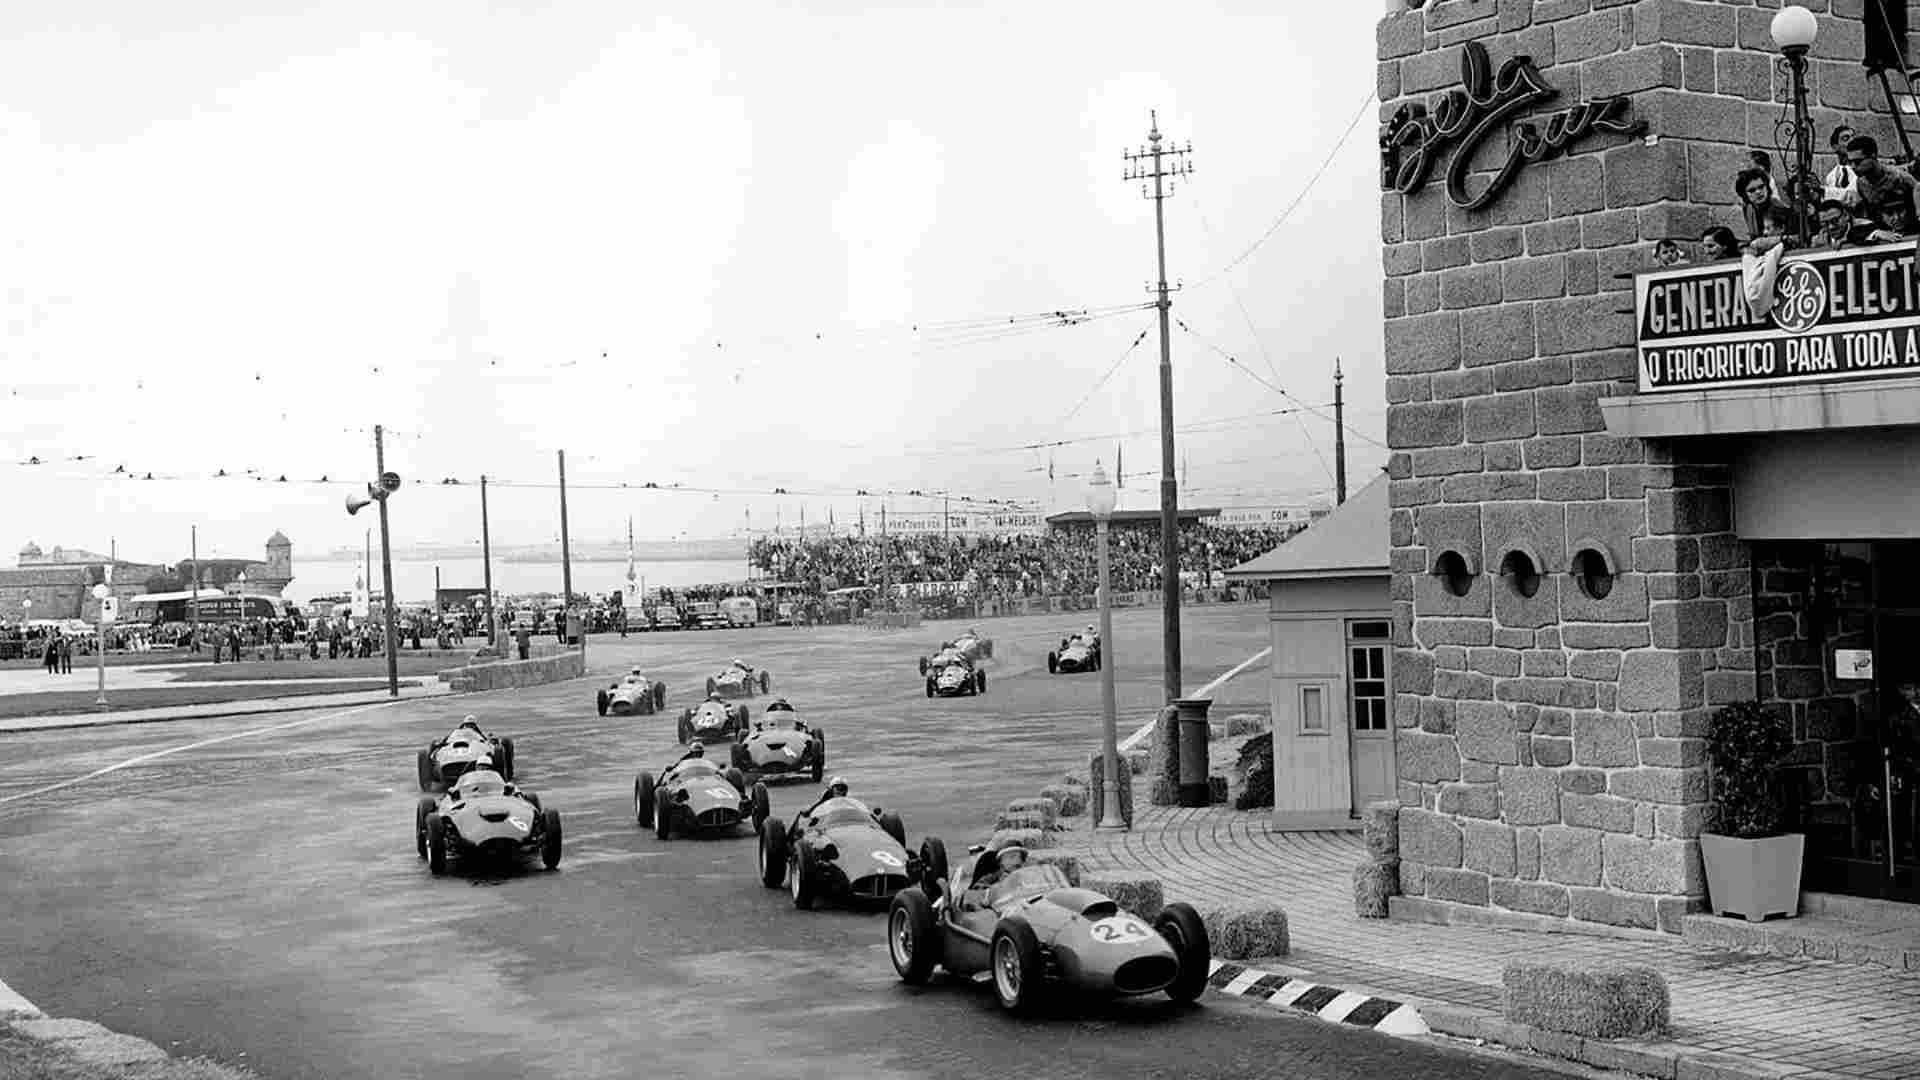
x: 1794, y: 29
x: 1101, y: 499
x: 100, y: 593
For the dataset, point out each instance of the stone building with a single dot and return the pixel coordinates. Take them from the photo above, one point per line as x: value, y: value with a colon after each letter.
x: 60, y: 581
x: 1596, y: 540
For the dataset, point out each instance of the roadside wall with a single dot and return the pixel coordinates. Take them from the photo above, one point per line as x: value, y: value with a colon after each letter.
x: 504, y: 674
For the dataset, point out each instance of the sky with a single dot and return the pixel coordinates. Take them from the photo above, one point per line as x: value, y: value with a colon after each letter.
x: 736, y: 247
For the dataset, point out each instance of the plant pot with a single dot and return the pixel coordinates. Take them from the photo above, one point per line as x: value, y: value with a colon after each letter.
x: 1753, y: 878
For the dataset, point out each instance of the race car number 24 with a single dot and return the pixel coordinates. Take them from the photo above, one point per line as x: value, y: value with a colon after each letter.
x: 1117, y: 928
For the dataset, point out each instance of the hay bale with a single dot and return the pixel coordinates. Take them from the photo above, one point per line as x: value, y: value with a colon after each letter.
x: 1074, y: 780
x: 1380, y: 828
x: 1163, y: 759
x: 1047, y: 808
x: 1031, y: 839
x: 1605, y: 1002
x: 1141, y: 894
x: 1216, y: 791
x: 1161, y: 793
x: 1070, y: 800
x: 1009, y: 820
x: 1255, y: 768
x: 1245, y: 724
x: 1373, y: 882
x: 1067, y: 861
x: 1137, y: 760
x: 1096, y: 768
x: 1243, y: 932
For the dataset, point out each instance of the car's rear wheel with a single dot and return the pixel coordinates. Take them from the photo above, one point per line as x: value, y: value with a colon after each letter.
x: 762, y: 806
x: 773, y: 856
x: 933, y: 866
x: 913, y: 939
x: 600, y: 702
x: 643, y: 799
x: 662, y: 819
x: 819, y: 754
x: 1183, y: 928
x: 805, y: 891
x: 891, y: 824
x: 506, y: 751
x: 980, y: 682
x: 422, y: 810
x: 426, y: 771
x: 766, y: 682
x: 550, y: 840
x: 1053, y: 663
x: 1015, y: 955
x: 929, y: 686
x: 436, y: 845
x: 659, y: 695
x: 923, y: 665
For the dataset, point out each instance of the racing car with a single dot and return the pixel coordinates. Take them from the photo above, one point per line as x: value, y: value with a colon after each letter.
x: 970, y: 646
x: 483, y: 816
x: 738, y: 679
x: 955, y: 678
x: 1077, y: 652
x: 771, y: 750
x: 712, y: 720
x: 633, y: 693
x: 1037, y: 933
x: 696, y: 795
x: 445, y: 758
x: 844, y: 849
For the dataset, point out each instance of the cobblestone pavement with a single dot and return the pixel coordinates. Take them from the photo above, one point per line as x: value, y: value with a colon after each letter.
x: 1857, y: 1021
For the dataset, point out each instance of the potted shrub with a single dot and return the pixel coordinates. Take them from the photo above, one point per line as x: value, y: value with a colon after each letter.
x: 1753, y: 866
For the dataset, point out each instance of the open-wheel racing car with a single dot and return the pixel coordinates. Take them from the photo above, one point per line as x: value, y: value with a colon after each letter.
x: 781, y: 744
x: 483, y: 816
x: 712, y: 721
x: 1077, y: 652
x: 1036, y: 933
x: 738, y: 679
x: 955, y: 678
x: 843, y: 849
x: 696, y: 795
x: 632, y: 694
x: 452, y: 754
x: 970, y: 646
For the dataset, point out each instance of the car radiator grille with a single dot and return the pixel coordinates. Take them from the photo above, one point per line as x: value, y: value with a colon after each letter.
x: 1144, y: 975
x: 713, y: 819
x: 451, y: 770
x: 877, y: 886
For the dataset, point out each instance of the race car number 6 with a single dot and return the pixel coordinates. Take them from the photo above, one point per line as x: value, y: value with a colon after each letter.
x: 888, y: 858
x: 1120, y: 928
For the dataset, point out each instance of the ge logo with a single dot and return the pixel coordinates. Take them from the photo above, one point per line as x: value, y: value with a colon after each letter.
x: 888, y: 858
x: 1120, y: 928
x: 1799, y: 297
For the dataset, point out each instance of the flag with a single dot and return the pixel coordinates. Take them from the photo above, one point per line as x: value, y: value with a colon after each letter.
x: 1049, y: 468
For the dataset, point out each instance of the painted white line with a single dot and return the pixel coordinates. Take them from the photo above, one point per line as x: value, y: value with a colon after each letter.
x: 1146, y: 730
x: 1241, y: 982
x: 144, y: 758
x: 1405, y: 1020
x: 12, y: 1004
x: 1337, y: 1009
x: 1290, y: 993
x: 1213, y: 965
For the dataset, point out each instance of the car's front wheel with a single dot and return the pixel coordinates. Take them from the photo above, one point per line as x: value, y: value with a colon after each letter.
x: 550, y: 837
x: 773, y: 856
x: 643, y: 799
x: 1015, y: 955
x: 819, y: 754
x: 600, y: 702
x: 1183, y: 928
x: 805, y: 890
x: 421, y: 811
x: 762, y: 806
x: 426, y: 771
x: 913, y: 938
x: 436, y: 845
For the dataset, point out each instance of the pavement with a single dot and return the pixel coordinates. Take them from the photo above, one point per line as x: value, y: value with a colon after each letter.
x: 246, y: 889
x: 1735, y: 1014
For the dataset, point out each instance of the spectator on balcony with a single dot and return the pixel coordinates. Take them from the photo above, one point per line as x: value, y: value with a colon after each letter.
x: 1761, y: 208
x: 1841, y: 183
x: 1900, y: 224
x: 1667, y: 253
x: 1838, y: 229
x: 1878, y: 186
x: 1718, y: 244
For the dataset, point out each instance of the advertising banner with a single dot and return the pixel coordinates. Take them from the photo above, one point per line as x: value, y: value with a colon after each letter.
x: 1842, y: 315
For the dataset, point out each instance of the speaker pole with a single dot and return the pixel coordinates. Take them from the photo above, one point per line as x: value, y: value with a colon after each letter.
x: 386, y: 566
x: 486, y: 570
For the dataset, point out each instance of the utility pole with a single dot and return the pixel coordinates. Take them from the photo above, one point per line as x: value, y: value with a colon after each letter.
x: 1339, y: 437
x: 386, y: 567
x: 1162, y: 172
x: 193, y: 605
x: 566, y: 550
x: 486, y: 568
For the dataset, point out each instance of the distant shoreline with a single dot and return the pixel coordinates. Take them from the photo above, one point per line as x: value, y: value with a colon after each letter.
x: 734, y: 554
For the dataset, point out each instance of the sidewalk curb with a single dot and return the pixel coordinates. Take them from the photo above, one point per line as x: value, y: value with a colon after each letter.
x: 12, y: 1005
x: 1329, y: 1003
x: 1666, y: 1060
x: 269, y: 706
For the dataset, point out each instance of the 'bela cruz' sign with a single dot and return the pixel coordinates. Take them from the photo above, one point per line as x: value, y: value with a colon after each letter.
x: 1464, y: 118
x: 1837, y: 315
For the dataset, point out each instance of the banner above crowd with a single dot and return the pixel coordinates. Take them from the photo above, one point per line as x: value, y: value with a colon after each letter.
x: 1836, y: 315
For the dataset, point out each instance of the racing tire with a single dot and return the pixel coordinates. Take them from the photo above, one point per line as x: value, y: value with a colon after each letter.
x: 643, y: 800
x: 933, y: 866
x: 710, y: 686
x: 1014, y: 958
x: 1183, y: 928
x: 773, y: 857
x: 662, y: 820
x: 762, y: 805
x: 737, y: 778
x: 923, y: 665
x: 426, y: 771
x: 659, y: 695
x: 819, y: 754
x: 979, y: 682
x: 805, y: 890
x: 766, y: 682
x: 422, y: 810
x: 684, y: 731
x: 739, y: 756
x: 929, y: 686
x: 506, y: 752
x: 1053, y: 663
x: 550, y: 839
x: 436, y: 845
x: 533, y: 800
x: 913, y: 938
x: 891, y: 824
x: 600, y: 702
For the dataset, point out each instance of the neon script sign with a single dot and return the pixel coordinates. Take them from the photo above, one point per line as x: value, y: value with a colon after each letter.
x: 1462, y: 119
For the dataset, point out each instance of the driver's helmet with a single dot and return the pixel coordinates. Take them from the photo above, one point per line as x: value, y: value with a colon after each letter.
x: 484, y: 761
x: 1012, y: 857
x: 1089, y: 630
x: 697, y: 749
x: 469, y: 722
x: 837, y: 788
x: 633, y: 671
x: 779, y: 705
x: 739, y: 664
x: 715, y: 696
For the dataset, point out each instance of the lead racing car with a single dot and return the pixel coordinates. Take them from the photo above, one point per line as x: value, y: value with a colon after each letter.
x: 1077, y: 652
x: 1036, y: 934
x: 711, y: 721
x: 955, y: 678
x: 969, y: 646
x: 446, y: 758
x: 738, y: 679
x: 632, y: 694
x: 695, y: 795
x: 841, y: 848
x: 772, y: 750
x: 482, y: 816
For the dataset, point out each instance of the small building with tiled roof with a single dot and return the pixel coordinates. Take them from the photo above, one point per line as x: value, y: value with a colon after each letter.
x: 1331, y: 621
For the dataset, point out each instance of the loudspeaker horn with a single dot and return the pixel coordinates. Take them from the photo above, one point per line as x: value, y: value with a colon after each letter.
x: 356, y: 501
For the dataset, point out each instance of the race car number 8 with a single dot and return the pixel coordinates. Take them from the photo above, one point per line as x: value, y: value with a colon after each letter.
x: 1120, y: 928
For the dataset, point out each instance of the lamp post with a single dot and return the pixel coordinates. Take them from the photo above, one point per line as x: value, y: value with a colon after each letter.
x: 1100, y: 500
x: 1793, y: 30
x: 100, y: 593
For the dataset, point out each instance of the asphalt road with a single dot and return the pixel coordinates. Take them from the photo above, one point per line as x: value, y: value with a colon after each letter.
x: 254, y: 895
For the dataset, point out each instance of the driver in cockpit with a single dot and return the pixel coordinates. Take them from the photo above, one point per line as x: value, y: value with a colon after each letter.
x: 695, y: 749
x: 1012, y: 858
x: 836, y: 789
